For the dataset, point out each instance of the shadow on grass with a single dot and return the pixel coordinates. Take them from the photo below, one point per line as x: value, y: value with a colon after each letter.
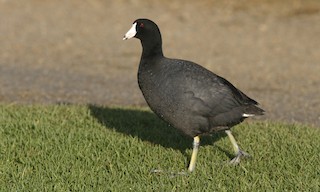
x: 147, y: 126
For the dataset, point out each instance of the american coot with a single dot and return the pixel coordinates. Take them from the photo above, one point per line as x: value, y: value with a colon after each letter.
x: 186, y: 95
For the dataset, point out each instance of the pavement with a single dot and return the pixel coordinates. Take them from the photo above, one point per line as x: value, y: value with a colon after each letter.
x: 72, y: 52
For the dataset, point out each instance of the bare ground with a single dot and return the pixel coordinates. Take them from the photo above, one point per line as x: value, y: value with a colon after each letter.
x: 72, y: 51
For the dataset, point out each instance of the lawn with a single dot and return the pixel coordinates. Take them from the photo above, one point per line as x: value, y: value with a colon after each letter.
x: 92, y: 148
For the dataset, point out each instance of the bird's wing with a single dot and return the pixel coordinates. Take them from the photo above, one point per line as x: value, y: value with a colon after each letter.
x: 209, y: 93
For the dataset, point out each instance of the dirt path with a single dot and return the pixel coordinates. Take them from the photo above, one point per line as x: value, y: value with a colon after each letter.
x: 73, y: 52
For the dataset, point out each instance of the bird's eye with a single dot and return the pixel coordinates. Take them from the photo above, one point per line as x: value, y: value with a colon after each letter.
x: 141, y: 25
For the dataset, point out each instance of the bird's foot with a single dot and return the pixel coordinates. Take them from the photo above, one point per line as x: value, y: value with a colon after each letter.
x: 239, y: 155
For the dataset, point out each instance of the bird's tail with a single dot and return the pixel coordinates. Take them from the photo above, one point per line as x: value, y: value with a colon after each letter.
x: 253, y: 110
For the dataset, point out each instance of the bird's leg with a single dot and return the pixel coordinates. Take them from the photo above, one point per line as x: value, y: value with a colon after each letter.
x: 239, y: 153
x: 192, y: 164
x: 196, y: 143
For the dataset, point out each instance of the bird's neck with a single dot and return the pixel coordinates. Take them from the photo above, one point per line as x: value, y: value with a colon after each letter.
x: 151, y: 50
x: 152, y: 45
x: 156, y: 52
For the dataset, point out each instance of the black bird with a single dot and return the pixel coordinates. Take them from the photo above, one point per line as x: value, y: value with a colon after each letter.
x: 189, y: 97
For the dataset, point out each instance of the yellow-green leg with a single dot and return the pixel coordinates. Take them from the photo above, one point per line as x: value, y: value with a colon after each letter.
x: 239, y: 153
x: 196, y: 143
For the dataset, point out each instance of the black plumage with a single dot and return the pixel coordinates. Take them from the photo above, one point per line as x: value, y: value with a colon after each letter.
x: 185, y: 94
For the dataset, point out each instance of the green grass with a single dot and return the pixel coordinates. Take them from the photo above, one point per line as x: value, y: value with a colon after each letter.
x: 89, y: 148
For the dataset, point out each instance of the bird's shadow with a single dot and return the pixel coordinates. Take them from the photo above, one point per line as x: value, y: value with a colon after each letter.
x: 148, y: 127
